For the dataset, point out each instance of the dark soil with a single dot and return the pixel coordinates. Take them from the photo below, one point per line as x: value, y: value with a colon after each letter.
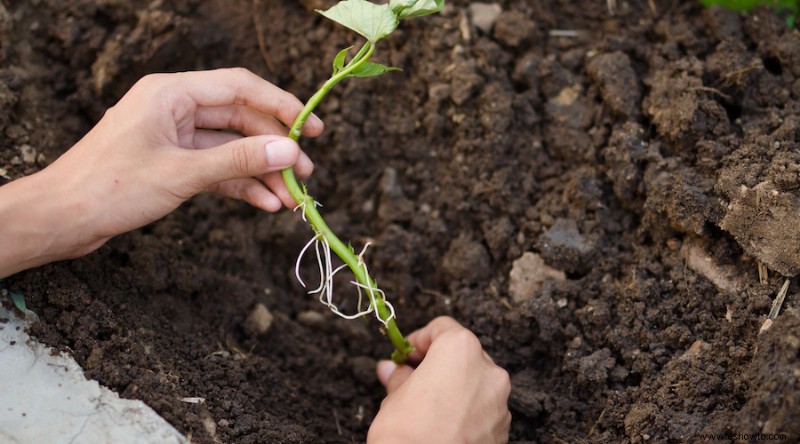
x: 651, y: 156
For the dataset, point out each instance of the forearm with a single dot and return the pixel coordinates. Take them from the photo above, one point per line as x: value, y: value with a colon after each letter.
x: 37, y: 223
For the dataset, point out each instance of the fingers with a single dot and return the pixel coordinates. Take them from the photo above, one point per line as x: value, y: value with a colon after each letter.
x: 255, y: 193
x: 304, y: 166
x: 422, y: 339
x: 247, y: 121
x: 238, y: 86
x: 275, y: 183
x: 398, y: 378
x: 249, y: 190
x: 204, y: 139
x: 209, y: 139
x: 457, y: 374
x: 384, y: 370
x: 242, y: 158
x: 268, y: 192
x: 392, y: 376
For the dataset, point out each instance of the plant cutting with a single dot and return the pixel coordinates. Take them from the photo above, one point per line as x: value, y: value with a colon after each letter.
x: 373, y: 22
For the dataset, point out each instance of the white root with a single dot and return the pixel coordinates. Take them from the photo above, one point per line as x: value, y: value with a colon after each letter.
x: 302, y: 206
x: 322, y: 270
x: 371, y: 291
x: 327, y: 272
x: 300, y: 257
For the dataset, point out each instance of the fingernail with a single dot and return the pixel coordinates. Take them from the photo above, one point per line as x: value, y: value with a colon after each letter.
x: 385, y: 370
x: 281, y: 153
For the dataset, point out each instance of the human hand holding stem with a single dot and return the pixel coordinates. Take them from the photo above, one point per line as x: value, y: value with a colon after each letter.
x: 373, y: 22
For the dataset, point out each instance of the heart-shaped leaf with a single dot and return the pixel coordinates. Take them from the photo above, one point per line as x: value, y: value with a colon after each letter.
x: 372, y: 21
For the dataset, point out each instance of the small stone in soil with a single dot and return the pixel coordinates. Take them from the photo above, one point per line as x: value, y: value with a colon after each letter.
x: 528, y: 273
x: 311, y: 318
x: 258, y: 321
x: 28, y: 154
x: 563, y: 246
x: 484, y: 15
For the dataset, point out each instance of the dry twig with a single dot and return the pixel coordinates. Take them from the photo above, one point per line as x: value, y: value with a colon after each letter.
x: 776, y: 307
x: 763, y: 273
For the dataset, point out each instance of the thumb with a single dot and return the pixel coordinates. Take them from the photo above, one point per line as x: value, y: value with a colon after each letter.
x: 392, y: 376
x: 247, y: 157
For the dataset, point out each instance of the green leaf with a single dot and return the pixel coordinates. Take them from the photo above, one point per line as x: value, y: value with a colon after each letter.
x: 415, y: 8
x: 338, y: 62
x: 19, y: 300
x: 372, y: 21
x: 369, y: 69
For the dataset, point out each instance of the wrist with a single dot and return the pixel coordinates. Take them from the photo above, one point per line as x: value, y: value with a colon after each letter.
x: 41, y: 224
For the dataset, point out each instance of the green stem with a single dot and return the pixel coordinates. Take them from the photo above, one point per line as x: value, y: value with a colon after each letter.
x: 298, y: 192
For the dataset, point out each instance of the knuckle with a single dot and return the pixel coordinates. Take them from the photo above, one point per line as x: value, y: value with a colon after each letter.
x: 236, y: 120
x: 152, y: 85
x: 465, y: 340
x: 443, y: 321
x: 239, y: 76
x: 148, y: 79
x: 502, y: 381
x: 247, y: 194
x: 236, y: 72
x: 240, y: 159
x: 283, y: 108
x: 502, y: 378
x: 151, y: 81
x: 240, y: 71
x: 287, y: 107
x: 111, y: 112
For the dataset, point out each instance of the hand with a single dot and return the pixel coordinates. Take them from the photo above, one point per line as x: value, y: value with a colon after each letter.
x: 455, y: 395
x: 160, y: 145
